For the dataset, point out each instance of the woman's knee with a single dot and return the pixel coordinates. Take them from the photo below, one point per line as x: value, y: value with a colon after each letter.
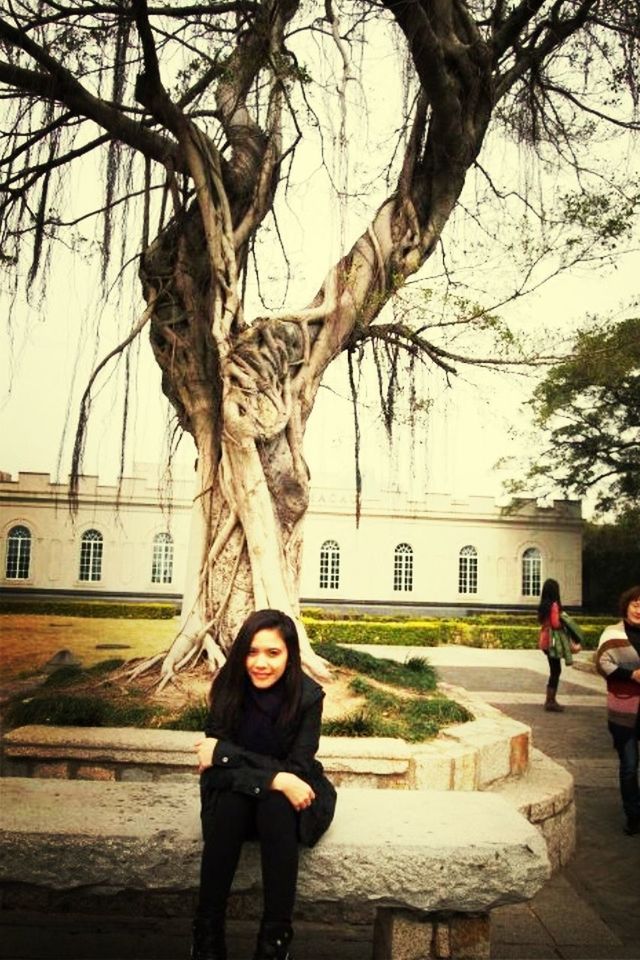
x: 275, y: 814
x: 228, y: 811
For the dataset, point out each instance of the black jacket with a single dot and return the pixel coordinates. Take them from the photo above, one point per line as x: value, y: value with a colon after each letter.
x: 238, y: 769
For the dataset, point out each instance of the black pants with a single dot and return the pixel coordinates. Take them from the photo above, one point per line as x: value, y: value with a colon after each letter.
x: 555, y: 669
x: 626, y: 744
x: 226, y: 824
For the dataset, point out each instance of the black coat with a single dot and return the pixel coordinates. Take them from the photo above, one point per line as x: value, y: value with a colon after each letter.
x: 236, y: 768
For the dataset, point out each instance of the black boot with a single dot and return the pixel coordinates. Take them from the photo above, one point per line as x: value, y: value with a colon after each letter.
x: 551, y: 703
x: 273, y: 941
x: 633, y: 825
x: 208, y: 941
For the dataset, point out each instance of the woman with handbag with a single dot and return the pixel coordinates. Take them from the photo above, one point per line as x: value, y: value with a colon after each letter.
x: 260, y: 779
x: 559, y: 639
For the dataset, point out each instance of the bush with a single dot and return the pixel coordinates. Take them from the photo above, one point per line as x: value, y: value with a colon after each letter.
x: 386, y: 715
x: 470, y: 632
x: 76, y: 711
x: 110, y: 609
x: 191, y: 718
x: 387, y: 671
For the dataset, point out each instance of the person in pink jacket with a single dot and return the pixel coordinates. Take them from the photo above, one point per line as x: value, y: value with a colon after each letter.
x: 551, y: 626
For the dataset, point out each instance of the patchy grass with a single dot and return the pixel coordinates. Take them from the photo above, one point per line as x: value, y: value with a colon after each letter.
x: 28, y: 641
x: 416, y: 674
x: 369, y: 697
x: 386, y: 714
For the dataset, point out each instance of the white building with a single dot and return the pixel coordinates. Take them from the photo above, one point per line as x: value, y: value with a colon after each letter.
x: 437, y: 551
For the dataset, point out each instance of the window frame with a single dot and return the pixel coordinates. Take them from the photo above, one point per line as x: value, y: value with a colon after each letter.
x: 18, y: 550
x: 403, y: 568
x: 329, y: 573
x: 91, y: 556
x: 162, y: 558
x: 468, y: 571
x: 531, y: 572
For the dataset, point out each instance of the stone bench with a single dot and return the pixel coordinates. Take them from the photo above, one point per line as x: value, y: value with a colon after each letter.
x: 431, y: 864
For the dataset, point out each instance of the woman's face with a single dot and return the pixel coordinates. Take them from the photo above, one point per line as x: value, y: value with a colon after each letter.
x: 633, y: 613
x: 267, y: 658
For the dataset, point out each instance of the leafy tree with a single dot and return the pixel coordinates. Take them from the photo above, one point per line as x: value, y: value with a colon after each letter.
x: 198, y: 108
x: 588, y: 406
x: 610, y: 561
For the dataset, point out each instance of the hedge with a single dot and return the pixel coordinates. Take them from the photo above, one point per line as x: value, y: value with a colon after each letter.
x: 433, y: 633
x: 111, y: 609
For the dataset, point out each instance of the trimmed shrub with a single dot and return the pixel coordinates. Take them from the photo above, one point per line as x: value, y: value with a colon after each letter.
x: 432, y: 633
x: 109, y: 609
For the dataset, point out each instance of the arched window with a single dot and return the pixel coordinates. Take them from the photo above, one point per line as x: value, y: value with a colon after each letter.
x: 468, y: 570
x: 531, y: 572
x: 91, y: 556
x: 18, y: 553
x: 403, y: 567
x: 162, y: 560
x: 329, y: 565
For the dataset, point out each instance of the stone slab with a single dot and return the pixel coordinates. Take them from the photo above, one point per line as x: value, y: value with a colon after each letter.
x: 426, y: 850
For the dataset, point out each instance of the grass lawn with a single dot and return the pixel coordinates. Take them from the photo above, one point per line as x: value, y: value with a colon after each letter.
x: 395, y: 700
x: 27, y: 641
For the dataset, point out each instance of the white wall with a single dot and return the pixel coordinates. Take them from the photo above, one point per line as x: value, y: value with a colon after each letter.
x: 437, y: 527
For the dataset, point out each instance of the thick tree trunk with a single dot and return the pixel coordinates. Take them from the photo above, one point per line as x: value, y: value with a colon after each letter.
x: 245, y: 552
x: 237, y: 398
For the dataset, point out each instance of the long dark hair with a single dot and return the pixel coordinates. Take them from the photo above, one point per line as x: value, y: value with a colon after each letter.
x: 550, y: 594
x: 228, y: 688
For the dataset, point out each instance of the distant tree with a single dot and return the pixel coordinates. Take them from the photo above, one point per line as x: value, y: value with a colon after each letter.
x: 588, y: 410
x: 610, y: 561
x: 203, y: 106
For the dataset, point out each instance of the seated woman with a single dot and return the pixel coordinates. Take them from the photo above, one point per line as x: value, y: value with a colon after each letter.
x: 260, y: 779
x: 618, y: 661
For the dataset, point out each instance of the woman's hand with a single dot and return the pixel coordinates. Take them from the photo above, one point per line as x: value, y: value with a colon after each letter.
x: 575, y: 646
x: 298, y: 793
x: 204, y: 749
x: 636, y: 675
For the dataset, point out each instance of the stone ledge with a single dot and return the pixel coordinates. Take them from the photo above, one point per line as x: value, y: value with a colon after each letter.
x: 428, y: 851
x: 468, y: 756
x: 546, y: 798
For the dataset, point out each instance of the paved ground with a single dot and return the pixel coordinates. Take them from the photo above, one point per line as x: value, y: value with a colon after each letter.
x: 589, y: 911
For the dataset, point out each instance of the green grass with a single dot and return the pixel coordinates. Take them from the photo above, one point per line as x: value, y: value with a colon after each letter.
x: 79, y: 711
x: 28, y: 641
x: 191, y: 718
x: 386, y: 715
x: 417, y: 674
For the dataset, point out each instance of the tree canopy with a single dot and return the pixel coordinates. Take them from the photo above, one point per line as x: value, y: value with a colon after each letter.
x: 588, y: 407
x: 200, y: 112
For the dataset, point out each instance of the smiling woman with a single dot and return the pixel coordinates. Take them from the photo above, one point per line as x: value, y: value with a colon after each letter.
x: 259, y: 777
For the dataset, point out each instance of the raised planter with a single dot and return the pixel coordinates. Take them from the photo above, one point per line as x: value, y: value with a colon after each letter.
x: 491, y: 752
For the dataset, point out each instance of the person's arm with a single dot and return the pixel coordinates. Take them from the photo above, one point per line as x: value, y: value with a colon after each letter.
x: 625, y: 673
x: 607, y: 664
x: 254, y: 773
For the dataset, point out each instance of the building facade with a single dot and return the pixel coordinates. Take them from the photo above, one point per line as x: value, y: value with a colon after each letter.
x: 435, y: 552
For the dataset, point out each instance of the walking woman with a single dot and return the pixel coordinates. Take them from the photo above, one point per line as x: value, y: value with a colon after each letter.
x: 618, y: 661
x: 260, y: 779
x: 555, y: 639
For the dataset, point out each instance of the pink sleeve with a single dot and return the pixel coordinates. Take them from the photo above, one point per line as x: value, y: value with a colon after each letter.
x: 554, y: 617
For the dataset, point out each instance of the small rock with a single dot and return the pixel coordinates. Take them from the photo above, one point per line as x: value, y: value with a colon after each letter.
x: 63, y: 658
